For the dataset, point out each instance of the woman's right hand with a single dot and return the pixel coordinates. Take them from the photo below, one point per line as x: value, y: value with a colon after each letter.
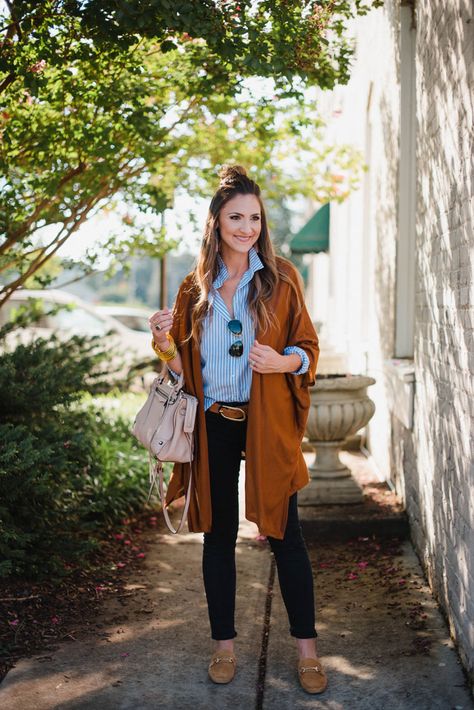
x: 164, y: 319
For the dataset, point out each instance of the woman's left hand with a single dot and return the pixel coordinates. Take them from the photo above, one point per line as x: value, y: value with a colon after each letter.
x: 264, y: 359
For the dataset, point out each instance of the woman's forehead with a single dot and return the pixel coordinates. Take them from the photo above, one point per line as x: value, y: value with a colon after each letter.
x: 243, y: 204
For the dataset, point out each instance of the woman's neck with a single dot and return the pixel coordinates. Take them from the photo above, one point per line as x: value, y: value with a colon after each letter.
x: 236, y: 264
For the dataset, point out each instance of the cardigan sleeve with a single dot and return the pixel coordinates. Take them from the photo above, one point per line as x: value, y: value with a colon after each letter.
x: 181, y: 310
x: 178, y: 329
x: 302, y: 333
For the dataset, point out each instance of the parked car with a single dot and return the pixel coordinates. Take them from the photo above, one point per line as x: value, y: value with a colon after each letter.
x: 134, y: 318
x: 83, y: 319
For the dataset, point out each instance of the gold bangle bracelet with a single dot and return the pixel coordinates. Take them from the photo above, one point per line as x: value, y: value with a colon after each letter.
x: 168, y: 349
x: 169, y: 357
x: 168, y: 354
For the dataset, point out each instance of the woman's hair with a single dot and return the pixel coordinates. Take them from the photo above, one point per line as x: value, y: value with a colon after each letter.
x: 235, y: 181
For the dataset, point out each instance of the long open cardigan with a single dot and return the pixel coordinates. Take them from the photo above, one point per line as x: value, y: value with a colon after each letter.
x: 278, y: 410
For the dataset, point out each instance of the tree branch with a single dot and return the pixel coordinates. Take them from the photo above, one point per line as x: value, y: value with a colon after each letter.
x: 77, y: 220
x: 17, y: 235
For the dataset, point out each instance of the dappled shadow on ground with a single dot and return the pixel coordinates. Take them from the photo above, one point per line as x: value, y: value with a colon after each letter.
x: 381, y: 637
x: 36, y: 616
x: 152, y: 640
x: 379, y: 632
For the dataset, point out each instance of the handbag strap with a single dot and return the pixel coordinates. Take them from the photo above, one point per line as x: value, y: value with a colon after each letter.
x: 179, y: 384
x: 186, y: 502
x: 156, y: 470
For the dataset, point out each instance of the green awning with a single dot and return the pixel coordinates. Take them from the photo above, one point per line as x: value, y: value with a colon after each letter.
x: 314, y: 236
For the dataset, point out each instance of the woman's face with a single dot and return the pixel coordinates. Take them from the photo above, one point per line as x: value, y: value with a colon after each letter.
x: 240, y: 224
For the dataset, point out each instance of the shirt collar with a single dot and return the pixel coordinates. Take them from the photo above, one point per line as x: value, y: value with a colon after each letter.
x: 255, y: 263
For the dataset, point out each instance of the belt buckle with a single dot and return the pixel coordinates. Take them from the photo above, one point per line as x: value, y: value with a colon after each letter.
x: 237, y: 409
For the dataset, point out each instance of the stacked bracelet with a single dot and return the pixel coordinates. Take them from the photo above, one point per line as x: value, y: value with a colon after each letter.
x: 166, y: 355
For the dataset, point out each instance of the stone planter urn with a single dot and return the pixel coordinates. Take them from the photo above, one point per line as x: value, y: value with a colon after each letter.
x: 340, y: 407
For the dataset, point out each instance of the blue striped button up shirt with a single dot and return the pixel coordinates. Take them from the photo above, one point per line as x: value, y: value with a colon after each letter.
x: 227, y: 378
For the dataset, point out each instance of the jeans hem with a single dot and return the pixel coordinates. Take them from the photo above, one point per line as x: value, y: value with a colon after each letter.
x: 311, y: 635
x: 224, y: 637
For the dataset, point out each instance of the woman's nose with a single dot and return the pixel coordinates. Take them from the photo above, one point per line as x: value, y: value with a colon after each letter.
x: 246, y: 229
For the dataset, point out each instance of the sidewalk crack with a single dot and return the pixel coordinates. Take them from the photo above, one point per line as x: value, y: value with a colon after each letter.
x: 262, y: 662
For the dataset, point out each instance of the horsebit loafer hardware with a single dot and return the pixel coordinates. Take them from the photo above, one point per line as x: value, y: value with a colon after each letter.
x: 312, y: 683
x: 224, y: 672
x: 228, y: 659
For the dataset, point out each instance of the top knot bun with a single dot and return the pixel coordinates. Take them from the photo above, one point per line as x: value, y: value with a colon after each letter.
x: 231, y: 173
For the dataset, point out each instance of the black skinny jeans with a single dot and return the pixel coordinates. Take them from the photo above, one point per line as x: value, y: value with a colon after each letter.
x: 226, y: 441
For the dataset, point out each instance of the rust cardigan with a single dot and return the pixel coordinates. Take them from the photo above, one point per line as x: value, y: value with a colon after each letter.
x: 278, y: 410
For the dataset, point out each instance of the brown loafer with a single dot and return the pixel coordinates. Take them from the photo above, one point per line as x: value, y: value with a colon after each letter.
x: 222, y: 666
x: 312, y: 675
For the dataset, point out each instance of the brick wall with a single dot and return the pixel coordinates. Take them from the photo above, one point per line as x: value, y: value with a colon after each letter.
x: 432, y: 464
x: 439, y: 473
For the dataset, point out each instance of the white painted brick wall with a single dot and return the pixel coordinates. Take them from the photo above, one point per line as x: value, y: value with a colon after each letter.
x: 442, y: 512
x: 432, y: 466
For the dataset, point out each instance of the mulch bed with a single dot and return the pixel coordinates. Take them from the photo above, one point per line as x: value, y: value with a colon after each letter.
x: 376, y: 566
x: 35, y: 616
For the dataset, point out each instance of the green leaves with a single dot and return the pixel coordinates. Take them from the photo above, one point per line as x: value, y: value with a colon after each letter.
x: 67, y: 470
x: 133, y: 100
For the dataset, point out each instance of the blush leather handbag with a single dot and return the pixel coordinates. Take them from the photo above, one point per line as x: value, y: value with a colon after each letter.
x: 165, y: 426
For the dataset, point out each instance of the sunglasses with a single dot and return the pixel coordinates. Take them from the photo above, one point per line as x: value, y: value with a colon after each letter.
x: 237, y: 348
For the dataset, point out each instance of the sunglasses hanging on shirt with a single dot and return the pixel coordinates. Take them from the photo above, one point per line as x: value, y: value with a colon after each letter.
x: 237, y: 348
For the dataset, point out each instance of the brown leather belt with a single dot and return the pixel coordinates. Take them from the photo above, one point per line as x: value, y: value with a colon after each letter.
x: 237, y: 414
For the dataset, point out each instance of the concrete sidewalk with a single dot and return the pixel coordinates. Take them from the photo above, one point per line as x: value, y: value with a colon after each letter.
x: 381, y: 638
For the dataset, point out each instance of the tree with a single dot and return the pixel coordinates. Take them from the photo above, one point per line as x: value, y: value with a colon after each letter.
x: 130, y: 100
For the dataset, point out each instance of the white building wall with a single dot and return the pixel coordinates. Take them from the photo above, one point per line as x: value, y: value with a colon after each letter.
x: 440, y: 495
x: 401, y: 276
x: 364, y: 227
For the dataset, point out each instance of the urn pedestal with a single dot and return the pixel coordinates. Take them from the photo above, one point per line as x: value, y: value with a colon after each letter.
x: 340, y: 407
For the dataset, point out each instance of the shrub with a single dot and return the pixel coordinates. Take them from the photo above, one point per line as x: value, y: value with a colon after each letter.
x: 67, y: 470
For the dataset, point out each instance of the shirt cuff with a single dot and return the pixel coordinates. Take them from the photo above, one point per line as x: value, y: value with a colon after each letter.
x: 172, y: 372
x: 291, y: 350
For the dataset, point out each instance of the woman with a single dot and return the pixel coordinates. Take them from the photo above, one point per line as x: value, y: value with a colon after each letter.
x: 240, y: 333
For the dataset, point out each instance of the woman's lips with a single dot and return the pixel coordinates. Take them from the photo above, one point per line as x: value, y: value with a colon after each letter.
x: 243, y: 239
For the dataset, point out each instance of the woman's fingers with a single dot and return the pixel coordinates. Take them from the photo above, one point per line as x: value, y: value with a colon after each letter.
x: 260, y: 353
x: 163, y: 319
x: 263, y: 359
x: 164, y: 324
